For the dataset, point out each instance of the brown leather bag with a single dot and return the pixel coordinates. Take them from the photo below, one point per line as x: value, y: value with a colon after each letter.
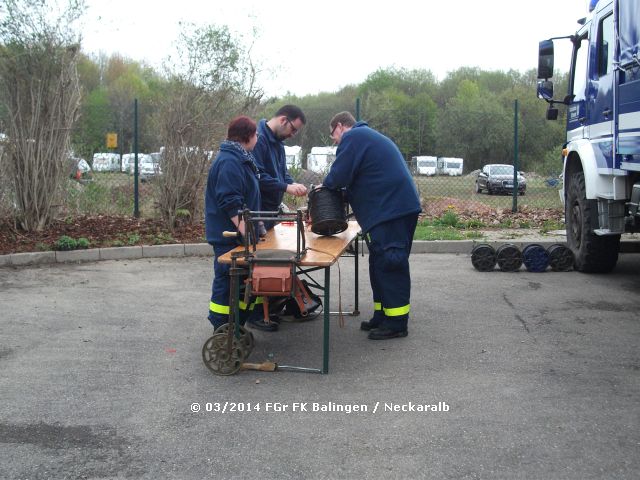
x: 272, y: 280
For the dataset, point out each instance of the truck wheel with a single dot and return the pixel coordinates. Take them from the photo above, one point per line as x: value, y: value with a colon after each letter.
x: 478, y: 189
x: 593, y: 253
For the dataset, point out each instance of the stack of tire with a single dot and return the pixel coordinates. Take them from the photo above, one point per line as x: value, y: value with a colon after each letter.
x: 534, y: 256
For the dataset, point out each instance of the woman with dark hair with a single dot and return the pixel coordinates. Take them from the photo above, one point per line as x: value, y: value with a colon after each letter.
x: 232, y: 185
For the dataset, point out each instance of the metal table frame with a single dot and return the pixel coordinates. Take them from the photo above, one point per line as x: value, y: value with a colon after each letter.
x: 326, y: 288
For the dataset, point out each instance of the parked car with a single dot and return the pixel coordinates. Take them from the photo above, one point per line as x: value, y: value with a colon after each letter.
x: 147, y: 167
x: 498, y: 178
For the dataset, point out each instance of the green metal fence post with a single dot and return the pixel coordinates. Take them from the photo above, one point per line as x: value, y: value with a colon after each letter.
x: 136, y: 209
x: 514, y: 207
x: 358, y: 109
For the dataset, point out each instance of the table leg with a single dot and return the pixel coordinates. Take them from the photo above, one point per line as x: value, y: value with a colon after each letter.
x: 327, y: 313
x: 356, y: 311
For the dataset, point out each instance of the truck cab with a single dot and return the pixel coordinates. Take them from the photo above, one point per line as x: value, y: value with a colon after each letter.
x: 601, y: 156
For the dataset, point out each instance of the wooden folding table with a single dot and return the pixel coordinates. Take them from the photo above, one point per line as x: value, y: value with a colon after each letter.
x: 322, y: 253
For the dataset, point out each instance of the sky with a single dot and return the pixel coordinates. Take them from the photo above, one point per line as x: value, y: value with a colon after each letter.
x: 308, y: 46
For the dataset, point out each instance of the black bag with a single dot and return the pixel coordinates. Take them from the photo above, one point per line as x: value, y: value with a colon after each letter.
x: 311, y: 302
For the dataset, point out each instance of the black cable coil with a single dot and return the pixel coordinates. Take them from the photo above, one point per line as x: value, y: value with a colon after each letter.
x: 509, y: 257
x: 483, y: 257
x: 327, y: 211
x: 560, y: 257
x: 535, y: 257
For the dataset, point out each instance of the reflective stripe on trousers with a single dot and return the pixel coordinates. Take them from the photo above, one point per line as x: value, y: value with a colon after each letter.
x: 389, y: 248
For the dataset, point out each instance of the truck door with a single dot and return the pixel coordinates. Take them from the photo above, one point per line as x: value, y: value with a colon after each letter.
x: 628, y: 94
x: 600, y: 91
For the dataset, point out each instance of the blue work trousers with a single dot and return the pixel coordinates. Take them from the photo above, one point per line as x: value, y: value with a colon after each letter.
x: 389, y: 245
x: 219, y: 308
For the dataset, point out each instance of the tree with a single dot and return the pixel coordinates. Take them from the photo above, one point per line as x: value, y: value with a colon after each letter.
x: 127, y: 80
x: 212, y: 80
x: 40, y: 92
x: 89, y: 136
x: 475, y: 126
x: 399, y: 104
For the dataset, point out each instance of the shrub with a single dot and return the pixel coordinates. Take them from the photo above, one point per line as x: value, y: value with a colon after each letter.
x: 82, y: 243
x: 65, y: 243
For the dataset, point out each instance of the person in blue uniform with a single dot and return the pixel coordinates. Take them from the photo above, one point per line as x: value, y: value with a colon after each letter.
x: 232, y: 185
x: 386, y: 204
x: 275, y: 180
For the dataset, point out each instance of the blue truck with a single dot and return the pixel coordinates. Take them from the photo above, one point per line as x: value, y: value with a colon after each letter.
x: 601, y: 157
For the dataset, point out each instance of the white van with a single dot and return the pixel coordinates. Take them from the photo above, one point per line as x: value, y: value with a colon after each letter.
x: 147, y: 166
x: 127, y: 162
x: 293, y: 156
x: 452, y: 166
x: 425, y: 165
x: 321, y: 158
x: 106, y: 162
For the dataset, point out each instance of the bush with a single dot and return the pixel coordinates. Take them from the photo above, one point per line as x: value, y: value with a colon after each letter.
x: 82, y: 243
x: 65, y: 243
x: 448, y: 219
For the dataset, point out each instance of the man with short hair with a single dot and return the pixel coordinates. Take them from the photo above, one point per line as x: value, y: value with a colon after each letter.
x: 275, y: 180
x: 386, y: 204
x: 270, y: 156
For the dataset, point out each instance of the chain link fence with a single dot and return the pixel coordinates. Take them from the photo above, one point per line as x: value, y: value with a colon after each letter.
x: 102, y: 182
x: 461, y: 188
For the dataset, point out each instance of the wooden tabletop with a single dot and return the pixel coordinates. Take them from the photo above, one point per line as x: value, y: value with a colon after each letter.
x: 323, y: 251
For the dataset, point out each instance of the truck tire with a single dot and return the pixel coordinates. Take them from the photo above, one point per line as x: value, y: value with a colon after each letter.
x: 593, y: 253
x: 478, y: 189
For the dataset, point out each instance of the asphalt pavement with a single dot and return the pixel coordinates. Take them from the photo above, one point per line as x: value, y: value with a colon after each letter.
x: 503, y: 376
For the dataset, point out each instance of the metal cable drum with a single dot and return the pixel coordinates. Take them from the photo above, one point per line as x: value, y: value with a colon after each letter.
x: 535, y: 257
x: 483, y: 257
x: 509, y: 257
x: 327, y: 212
x: 560, y: 257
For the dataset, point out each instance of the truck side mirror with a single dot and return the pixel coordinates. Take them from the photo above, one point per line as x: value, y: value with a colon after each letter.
x: 545, y: 89
x: 545, y: 59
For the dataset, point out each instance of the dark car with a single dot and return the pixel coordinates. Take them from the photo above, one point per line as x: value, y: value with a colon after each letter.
x: 498, y: 178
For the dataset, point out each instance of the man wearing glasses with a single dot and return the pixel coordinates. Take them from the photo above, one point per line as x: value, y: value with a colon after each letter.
x: 386, y: 204
x: 274, y: 177
x: 271, y: 160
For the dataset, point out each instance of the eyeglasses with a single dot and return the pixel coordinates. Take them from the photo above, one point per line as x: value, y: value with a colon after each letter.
x: 334, y: 129
x: 294, y: 130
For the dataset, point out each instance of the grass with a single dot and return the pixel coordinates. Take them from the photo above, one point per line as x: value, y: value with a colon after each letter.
x: 435, y: 232
x: 550, y: 225
x: 110, y: 193
x: 538, y: 195
x: 448, y: 227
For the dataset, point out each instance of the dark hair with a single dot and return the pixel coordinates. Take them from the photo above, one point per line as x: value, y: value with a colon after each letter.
x: 241, y: 129
x: 345, y: 118
x: 291, y: 112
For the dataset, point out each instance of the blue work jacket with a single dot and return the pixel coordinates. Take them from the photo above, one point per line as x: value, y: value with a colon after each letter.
x: 272, y: 163
x: 375, y: 175
x: 232, y: 185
